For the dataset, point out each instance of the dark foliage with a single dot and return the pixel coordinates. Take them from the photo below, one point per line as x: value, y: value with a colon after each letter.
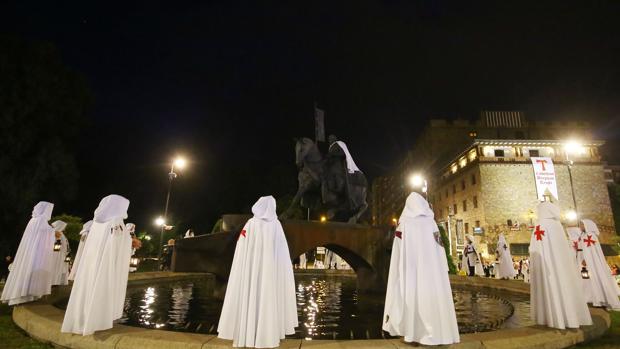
x: 42, y: 109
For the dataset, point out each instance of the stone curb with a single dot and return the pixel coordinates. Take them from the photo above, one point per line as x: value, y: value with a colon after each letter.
x: 43, y: 321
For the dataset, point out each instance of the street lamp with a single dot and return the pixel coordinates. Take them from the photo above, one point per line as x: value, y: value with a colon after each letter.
x: 450, y: 215
x: 179, y: 163
x: 572, y: 147
x: 571, y: 215
x: 417, y: 181
x: 159, y: 221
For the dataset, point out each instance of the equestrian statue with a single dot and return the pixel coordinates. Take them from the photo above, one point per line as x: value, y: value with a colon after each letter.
x: 334, y: 178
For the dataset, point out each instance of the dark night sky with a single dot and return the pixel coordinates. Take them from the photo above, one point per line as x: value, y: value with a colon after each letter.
x: 229, y: 84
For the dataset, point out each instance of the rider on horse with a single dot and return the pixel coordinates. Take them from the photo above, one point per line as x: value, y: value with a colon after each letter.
x: 341, y: 176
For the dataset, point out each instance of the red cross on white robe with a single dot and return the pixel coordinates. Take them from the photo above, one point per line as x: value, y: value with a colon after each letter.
x: 398, y: 234
x: 539, y: 233
x: 240, y: 234
x: 589, y: 241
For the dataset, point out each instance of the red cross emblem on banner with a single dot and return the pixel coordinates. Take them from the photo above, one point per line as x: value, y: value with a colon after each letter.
x: 241, y: 233
x: 575, y: 245
x: 539, y: 233
x: 589, y: 241
x: 398, y: 234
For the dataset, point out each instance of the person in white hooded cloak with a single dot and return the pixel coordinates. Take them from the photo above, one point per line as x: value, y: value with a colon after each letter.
x: 60, y: 267
x: 505, y: 270
x: 80, y: 250
x: 556, y: 295
x: 260, y: 305
x: 418, y: 301
x: 98, y: 293
x: 601, y: 288
x: 30, y: 277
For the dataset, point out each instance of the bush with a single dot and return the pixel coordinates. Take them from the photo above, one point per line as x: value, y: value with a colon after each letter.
x: 446, y: 243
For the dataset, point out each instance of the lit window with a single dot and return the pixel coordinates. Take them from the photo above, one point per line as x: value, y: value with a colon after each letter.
x: 472, y: 155
x: 462, y: 162
x: 473, y: 134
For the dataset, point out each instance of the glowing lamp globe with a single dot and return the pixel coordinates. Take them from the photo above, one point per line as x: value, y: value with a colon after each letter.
x: 180, y: 163
x: 159, y: 221
x: 416, y: 181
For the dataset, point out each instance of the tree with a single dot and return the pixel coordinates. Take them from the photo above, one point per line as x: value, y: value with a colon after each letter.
x: 446, y: 242
x: 73, y: 229
x: 42, y: 108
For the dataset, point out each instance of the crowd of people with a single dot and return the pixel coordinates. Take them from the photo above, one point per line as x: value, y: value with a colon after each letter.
x: 260, y: 307
x: 99, y: 271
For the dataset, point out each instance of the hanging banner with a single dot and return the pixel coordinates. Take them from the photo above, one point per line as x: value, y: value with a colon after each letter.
x: 544, y: 175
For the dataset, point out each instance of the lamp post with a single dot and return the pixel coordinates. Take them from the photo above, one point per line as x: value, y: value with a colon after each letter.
x: 572, y: 147
x: 179, y: 163
x: 417, y: 181
x: 450, y: 214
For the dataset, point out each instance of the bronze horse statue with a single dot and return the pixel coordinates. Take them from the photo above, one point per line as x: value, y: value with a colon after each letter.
x: 341, y: 192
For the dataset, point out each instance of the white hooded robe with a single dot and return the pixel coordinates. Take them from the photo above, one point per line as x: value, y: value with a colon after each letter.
x: 260, y: 305
x: 556, y: 295
x: 98, y: 293
x: 601, y: 288
x: 418, y: 301
x: 60, y: 268
x: 80, y: 250
x: 31, y: 274
x: 505, y: 268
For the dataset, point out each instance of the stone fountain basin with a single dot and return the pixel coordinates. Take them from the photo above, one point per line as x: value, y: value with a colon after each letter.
x: 42, y: 321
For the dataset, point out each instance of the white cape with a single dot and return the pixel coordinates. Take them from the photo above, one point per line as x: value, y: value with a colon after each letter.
x: 556, y: 295
x: 600, y: 287
x: 351, y: 166
x: 60, y: 268
x: 505, y: 268
x: 80, y: 250
x: 31, y: 276
x: 98, y: 293
x: 418, y: 301
x: 260, y: 305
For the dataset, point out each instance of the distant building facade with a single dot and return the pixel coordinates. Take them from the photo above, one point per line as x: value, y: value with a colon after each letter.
x: 490, y: 189
x: 481, y: 180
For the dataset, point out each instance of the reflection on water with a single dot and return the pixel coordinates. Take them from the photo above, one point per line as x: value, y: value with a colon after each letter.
x: 328, y: 308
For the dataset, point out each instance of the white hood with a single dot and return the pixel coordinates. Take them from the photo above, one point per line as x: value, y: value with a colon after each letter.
x: 351, y: 166
x: 110, y: 207
x: 59, y: 226
x: 416, y: 206
x: 86, y: 227
x: 590, y: 226
x: 43, y: 209
x: 547, y: 210
x: 265, y: 208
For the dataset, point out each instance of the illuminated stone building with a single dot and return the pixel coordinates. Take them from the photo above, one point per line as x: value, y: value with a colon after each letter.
x: 481, y: 180
x: 489, y: 189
